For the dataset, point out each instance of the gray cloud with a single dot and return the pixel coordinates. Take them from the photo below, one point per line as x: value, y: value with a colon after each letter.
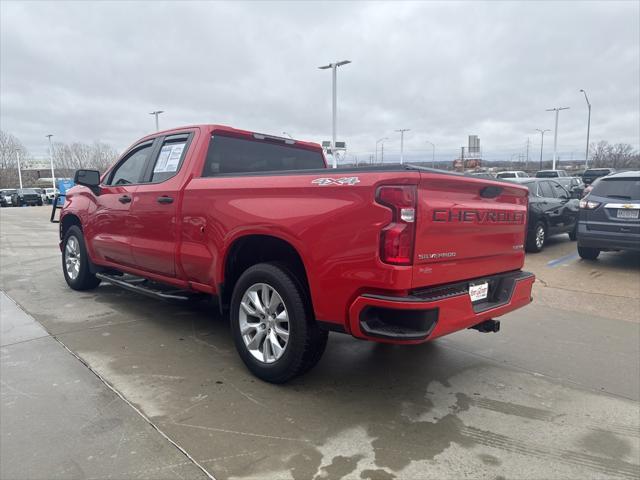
x: 93, y: 70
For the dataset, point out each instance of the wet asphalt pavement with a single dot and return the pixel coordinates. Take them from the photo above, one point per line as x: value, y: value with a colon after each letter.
x: 555, y: 394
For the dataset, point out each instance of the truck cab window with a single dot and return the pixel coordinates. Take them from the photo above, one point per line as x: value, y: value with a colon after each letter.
x: 169, y: 158
x: 237, y: 155
x: 131, y: 168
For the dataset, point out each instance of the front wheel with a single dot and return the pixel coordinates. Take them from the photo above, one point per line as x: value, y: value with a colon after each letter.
x: 573, y: 234
x: 75, y: 261
x: 588, y: 253
x: 272, y: 324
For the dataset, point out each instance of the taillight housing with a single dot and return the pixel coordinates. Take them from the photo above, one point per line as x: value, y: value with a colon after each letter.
x: 588, y: 204
x: 398, y: 237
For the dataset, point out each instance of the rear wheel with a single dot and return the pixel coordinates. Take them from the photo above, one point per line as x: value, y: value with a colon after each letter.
x: 536, y: 238
x: 588, y: 253
x: 272, y: 324
x: 75, y: 261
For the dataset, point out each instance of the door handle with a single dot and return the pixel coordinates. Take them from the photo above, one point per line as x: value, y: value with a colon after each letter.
x: 165, y: 199
x: 125, y: 199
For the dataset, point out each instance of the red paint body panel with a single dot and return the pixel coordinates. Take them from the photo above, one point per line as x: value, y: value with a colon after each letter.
x: 334, y: 228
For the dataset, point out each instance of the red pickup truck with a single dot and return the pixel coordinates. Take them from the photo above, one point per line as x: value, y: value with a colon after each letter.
x: 292, y: 249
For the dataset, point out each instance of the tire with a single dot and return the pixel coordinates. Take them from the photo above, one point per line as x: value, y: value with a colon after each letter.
x: 40, y: 203
x: 573, y: 234
x: 537, y: 238
x: 305, y: 340
x: 75, y: 261
x: 588, y: 253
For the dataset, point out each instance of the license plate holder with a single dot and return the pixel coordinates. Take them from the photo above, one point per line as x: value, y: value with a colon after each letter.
x: 627, y: 213
x: 478, y: 291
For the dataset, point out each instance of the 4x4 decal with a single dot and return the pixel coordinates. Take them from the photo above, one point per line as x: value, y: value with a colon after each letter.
x: 336, y: 181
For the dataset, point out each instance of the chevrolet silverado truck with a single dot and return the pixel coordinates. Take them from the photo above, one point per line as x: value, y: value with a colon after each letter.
x: 293, y: 249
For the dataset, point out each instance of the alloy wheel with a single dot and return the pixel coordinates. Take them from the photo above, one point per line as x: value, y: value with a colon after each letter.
x: 540, y: 236
x: 72, y: 257
x: 264, y: 323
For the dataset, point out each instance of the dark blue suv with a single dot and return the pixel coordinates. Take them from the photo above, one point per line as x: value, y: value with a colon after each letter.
x: 609, y: 216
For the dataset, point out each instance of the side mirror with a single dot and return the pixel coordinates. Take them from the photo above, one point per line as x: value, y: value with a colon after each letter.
x: 88, y: 178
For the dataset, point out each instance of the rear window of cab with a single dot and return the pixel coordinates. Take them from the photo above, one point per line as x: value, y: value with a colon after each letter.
x: 229, y: 155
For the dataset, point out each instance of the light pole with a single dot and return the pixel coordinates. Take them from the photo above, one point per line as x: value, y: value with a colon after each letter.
x: 285, y: 133
x: 555, y: 135
x: 586, y: 154
x: 53, y: 175
x: 402, y: 130
x: 19, y: 172
x: 433, y: 154
x: 334, y: 70
x: 542, y: 143
x: 377, y: 142
x: 155, y: 114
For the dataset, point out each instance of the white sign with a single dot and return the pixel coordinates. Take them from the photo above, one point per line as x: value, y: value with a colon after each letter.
x: 169, y: 158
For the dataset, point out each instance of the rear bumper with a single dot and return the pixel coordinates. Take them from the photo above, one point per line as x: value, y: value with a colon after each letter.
x: 430, y: 313
x: 607, y: 240
x: 610, y: 241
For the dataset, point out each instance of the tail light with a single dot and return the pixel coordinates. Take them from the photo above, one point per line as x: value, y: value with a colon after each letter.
x: 397, y: 238
x: 588, y: 204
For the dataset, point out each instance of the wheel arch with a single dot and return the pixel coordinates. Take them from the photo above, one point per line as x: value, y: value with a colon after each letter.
x: 67, y: 222
x: 252, y: 249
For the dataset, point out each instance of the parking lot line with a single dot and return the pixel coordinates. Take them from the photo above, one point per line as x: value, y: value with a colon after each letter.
x: 564, y: 259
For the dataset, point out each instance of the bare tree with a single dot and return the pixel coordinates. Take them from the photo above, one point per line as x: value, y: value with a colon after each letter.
x: 10, y: 146
x: 620, y: 155
x: 66, y: 159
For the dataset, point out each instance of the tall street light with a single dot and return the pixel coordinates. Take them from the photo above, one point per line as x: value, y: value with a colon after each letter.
x: 586, y: 154
x: 542, y: 132
x: 53, y: 175
x: 402, y: 130
x: 19, y: 172
x: 377, y: 142
x: 334, y: 68
x: 555, y: 135
x: 433, y: 154
x: 155, y: 114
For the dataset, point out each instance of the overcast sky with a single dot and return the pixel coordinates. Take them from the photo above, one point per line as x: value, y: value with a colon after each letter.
x: 88, y: 71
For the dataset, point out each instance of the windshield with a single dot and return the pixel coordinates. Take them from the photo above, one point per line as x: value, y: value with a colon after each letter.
x: 28, y: 191
x: 8, y: 192
x: 547, y: 174
x: 622, y: 188
x: 507, y: 175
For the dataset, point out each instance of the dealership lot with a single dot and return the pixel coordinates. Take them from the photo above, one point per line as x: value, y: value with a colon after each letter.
x: 554, y: 394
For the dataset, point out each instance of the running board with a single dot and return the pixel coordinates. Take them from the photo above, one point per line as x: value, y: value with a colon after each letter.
x: 137, y: 285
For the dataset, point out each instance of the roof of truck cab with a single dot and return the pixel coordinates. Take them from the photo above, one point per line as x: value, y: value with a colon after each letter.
x: 211, y: 128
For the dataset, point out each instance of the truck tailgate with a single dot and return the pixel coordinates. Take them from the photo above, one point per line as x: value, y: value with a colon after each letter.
x: 467, y: 228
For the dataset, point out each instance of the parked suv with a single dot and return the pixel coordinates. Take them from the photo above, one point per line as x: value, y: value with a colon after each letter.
x: 51, y: 193
x: 5, y: 197
x: 590, y: 174
x: 26, y: 196
x: 610, y: 216
x: 552, y: 211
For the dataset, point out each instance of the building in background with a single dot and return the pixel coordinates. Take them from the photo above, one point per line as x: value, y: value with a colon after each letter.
x: 470, y: 156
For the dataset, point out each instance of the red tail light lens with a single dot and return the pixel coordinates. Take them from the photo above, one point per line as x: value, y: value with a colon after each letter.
x: 397, y: 238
